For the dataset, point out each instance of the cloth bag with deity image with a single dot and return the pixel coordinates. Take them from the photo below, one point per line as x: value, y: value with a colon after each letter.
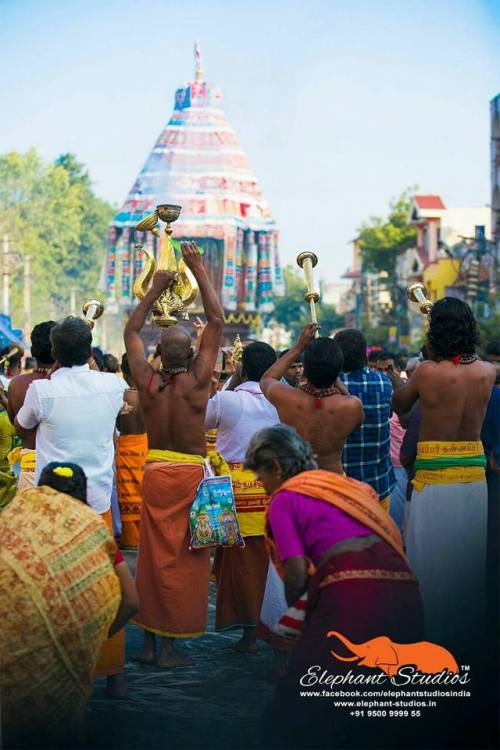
x: 213, y: 521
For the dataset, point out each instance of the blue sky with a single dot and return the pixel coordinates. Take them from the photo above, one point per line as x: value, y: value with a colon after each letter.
x: 339, y: 104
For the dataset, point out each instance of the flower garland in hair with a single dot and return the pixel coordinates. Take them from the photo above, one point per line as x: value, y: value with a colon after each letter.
x: 63, y: 471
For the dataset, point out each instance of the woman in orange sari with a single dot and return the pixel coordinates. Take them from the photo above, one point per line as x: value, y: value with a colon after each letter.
x: 59, y: 599
x: 333, y: 540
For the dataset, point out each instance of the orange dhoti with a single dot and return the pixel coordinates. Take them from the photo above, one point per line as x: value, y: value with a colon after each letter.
x: 172, y: 580
x: 241, y: 572
x: 131, y: 455
x: 112, y: 657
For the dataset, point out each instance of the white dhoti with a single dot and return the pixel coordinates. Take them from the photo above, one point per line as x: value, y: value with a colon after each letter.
x: 398, y: 496
x: 274, y: 605
x: 446, y: 545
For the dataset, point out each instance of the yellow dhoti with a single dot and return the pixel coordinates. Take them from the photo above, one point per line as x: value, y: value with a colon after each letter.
x: 25, y: 459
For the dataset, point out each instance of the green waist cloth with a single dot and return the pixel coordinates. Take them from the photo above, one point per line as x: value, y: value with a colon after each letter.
x: 448, y: 462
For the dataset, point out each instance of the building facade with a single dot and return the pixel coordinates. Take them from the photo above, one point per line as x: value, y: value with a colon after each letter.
x: 452, y: 256
x: 495, y: 171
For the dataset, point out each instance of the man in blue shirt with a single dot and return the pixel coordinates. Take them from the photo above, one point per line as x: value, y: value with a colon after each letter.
x: 366, y: 454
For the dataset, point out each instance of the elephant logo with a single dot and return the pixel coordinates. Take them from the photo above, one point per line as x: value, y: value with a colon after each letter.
x: 381, y: 652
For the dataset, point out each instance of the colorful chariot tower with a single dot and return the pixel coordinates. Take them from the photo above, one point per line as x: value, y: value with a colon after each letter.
x: 198, y: 163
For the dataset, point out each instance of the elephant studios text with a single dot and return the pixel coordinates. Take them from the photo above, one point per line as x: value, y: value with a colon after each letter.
x: 407, y: 675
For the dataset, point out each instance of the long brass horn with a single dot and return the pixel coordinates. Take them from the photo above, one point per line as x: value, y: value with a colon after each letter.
x: 418, y: 293
x: 15, y: 350
x: 92, y: 311
x: 307, y: 261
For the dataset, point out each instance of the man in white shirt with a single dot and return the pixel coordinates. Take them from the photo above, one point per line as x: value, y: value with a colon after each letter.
x: 241, y: 573
x: 74, y: 413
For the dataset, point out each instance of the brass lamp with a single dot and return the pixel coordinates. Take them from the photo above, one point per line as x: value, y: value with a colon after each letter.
x: 174, y: 301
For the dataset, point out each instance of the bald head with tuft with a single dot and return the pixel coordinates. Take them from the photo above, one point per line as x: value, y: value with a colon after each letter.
x: 176, y: 349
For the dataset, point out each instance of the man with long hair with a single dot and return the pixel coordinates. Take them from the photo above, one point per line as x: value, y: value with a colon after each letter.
x: 447, y: 529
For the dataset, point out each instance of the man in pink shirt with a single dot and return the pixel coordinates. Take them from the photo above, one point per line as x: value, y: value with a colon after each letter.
x: 398, y: 495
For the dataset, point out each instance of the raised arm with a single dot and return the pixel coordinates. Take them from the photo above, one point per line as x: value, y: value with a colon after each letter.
x: 405, y: 394
x: 139, y: 367
x: 270, y: 384
x: 408, y: 450
x: 203, y: 364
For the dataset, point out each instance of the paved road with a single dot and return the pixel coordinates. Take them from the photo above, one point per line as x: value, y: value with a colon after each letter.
x: 216, y: 703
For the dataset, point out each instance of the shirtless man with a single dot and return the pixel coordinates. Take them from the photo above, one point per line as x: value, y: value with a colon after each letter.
x: 131, y: 453
x: 132, y: 421
x: 446, y: 538
x: 172, y: 580
x: 322, y: 411
x: 41, y: 349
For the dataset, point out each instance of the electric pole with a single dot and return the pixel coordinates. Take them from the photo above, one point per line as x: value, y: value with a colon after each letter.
x: 72, y: 304
x: 6, y: 276
x: 27, y: 298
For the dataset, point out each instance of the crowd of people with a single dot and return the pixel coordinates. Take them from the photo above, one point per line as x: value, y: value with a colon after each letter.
x: 365, y: 487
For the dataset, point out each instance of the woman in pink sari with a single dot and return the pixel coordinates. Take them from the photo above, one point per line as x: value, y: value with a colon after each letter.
x: 334, y: 540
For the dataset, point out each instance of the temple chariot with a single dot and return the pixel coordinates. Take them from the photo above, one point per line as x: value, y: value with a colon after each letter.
x: 198, y: 163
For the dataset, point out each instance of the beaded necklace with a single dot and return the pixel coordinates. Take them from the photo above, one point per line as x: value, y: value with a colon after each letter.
x: 166, y: 377
x: 319, y: 393
x: 463, y: 359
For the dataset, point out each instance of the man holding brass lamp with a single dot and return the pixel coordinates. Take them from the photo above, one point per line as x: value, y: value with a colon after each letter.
x: 172, y: 580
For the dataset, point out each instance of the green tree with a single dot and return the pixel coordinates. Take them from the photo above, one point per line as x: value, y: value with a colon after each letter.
x: 489, y: 329
x: 293, y: 312
x: 380, y: 238
x: 50, y: 212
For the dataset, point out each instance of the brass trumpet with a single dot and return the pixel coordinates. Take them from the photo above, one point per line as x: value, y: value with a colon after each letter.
x: 418, y: 293
x: 307, y: 261
x: 176, y: 300
x: 92, y: 311
x: 15, y: 350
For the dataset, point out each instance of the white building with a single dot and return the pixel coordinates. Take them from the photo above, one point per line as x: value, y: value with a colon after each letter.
x: 335, y: 293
